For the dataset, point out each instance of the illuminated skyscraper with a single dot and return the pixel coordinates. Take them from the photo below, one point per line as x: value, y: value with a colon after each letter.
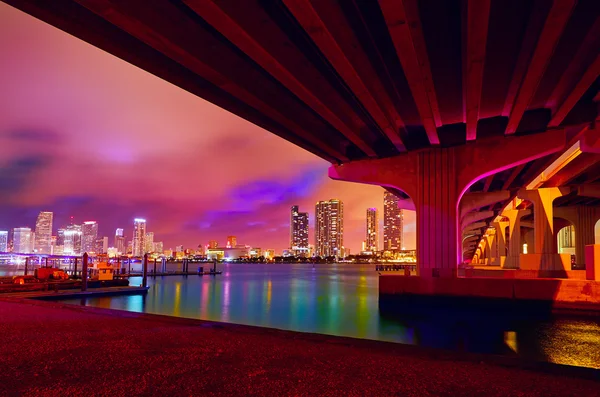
x: 231, y: 241
x: 119, y: 241
x: 213, y: 244
x: 43, y: 232
x: 139, y: 237
x: 158, y: 247
x: 22, y: 240
x: 3, y: 241
x: 150, y: 242
x: 372, y: 240
x: 329, y: 228
x: 393, y: 222
x: 101, y: 245
x: 72, y: 236
x: 299, y: 232
x: 89, y: 235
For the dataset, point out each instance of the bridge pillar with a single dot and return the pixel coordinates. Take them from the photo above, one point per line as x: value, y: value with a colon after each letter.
x: 543, y: 219
x: 437, y: 178
x: 500, y: 254
x: 514, y: 237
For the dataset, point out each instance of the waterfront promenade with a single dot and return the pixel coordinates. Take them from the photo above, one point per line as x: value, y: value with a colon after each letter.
x: 51, y: 349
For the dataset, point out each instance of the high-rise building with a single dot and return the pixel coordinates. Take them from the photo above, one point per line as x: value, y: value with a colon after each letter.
x: 329, y: 228
x: 3, y: 240
x: 393, y: 223
x: 43, y: 232
x: 213, y: 244
x: 150, y: 242
x: 372, y: 240
x: 72, y: 240
x: 101, y: 245
x: 139, y: 237
x: 231, y: 241
x: 299, y: 232
x: 119, y: 241
x: 89, y: 235
x: 129, y: 248
x: 22, y: 240
x: 158, y: 247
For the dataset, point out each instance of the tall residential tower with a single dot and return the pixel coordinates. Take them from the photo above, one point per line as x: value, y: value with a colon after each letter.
x: 299, y: 232
x: 43, y: 233
x: 139, y: 237
x: 89, y: 235
x: 329, y: 228
x: 372, y: 238
x: 393, y: 223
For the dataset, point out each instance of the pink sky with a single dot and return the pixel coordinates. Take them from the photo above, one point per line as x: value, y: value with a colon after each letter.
x: 86, y: 134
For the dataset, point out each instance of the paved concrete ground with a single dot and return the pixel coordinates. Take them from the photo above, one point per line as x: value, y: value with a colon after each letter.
x: 51, y: 349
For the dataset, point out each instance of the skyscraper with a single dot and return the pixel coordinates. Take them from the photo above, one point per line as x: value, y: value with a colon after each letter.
x: 101, y: 245
x: 329, y: 227
x: 213, y: 244
x: 150, y: 242
x: 22, y: 240
x: 299, y: 231
x: 89, y: 235
x: 158, y: 247
x: 393, y: 222
x: 43, y: 232
x: 72, y: 240
x: 139, y: 237
x: 3, y: 241
x: 119, y: 241
x: 372, y: 240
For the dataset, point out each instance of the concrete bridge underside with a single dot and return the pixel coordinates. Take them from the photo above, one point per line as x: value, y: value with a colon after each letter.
x: 454, y: 105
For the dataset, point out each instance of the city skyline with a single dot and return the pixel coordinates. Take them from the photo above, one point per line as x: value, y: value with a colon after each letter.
x: 63, y: 155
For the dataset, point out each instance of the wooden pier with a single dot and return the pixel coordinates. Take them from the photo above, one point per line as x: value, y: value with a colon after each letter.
x: 162, y: 274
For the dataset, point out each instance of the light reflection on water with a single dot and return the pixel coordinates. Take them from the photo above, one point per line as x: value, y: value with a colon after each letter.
x: 343, y: 300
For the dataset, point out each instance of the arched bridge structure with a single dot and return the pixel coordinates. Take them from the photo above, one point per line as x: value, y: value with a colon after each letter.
x: 456, y: 104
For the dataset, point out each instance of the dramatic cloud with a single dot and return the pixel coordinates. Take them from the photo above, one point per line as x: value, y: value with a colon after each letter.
x: 87, y: 135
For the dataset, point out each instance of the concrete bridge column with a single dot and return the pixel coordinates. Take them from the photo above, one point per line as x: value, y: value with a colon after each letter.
x: 543, y: 219
x: 500, y: 254
x: 514, y: 237
x: 584, y: 224
x: 491, y: 248
x: 437, y: 178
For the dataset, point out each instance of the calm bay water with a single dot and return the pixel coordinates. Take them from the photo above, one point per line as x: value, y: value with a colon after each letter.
x: 342, y: 299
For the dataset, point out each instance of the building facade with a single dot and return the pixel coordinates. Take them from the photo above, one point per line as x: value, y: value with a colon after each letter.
x: 72, y: 239
x: 329, y: 228
x: 3, y: 240
x: 372, y: 237
x: 299, y: 232
x: 393, y: 223
x: 89, y: 235
x: 138, y: 246
x: 119, y: 243
x: 150, y: 242
x: 22, y: 240
x: 43, y: 233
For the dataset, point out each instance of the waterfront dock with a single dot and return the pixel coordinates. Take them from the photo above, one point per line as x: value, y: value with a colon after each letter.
x: 70, y: 294
x: 159, y: 355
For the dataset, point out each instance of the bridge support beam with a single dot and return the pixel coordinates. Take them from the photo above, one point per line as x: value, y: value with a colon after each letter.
x: 500, y: 253
x: 436, y: 179
x: 543, y: 219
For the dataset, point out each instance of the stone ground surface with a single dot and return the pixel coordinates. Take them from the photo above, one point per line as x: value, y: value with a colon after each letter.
x: 52, y: 349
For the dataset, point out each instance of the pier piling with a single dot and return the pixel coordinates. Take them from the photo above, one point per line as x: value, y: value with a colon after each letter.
x: 84, y: 272
x: 26, y: 263
x: 145, y: 271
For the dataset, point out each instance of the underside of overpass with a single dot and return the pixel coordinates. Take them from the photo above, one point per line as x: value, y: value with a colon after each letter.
x: 457, y: 105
